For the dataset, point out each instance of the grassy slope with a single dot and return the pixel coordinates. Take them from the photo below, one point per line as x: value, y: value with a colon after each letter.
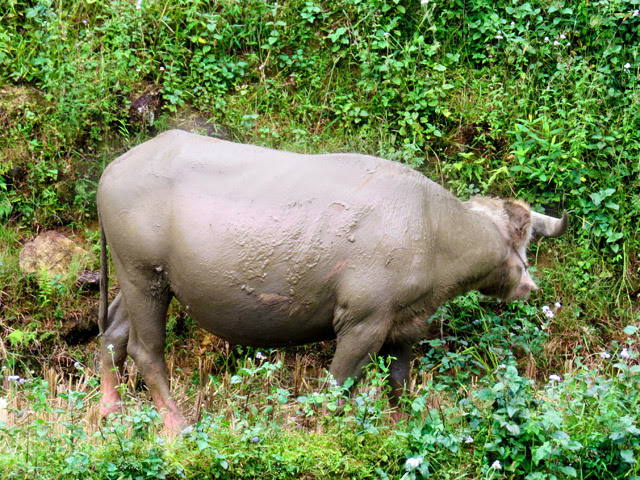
x: 538, y: 102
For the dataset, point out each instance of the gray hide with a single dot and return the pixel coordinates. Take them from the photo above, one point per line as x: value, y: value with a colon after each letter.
x: 270, y: 248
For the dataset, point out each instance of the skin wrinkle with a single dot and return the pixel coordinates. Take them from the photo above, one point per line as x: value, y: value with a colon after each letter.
x: 270, y: 248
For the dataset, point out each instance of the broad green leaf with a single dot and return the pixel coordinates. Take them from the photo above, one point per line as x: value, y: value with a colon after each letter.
x: 542, y: 452
x: 486, y: 395
x: 627, y: 456
x: 513, y: 429
x: 569, y: 471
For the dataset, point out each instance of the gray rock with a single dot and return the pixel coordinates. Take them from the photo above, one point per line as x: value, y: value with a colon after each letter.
x: 191, y: 120
x: 52, y: 252
x: 146, y: 108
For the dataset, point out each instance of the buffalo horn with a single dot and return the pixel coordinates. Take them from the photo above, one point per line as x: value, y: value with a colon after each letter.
x: 549, y: 226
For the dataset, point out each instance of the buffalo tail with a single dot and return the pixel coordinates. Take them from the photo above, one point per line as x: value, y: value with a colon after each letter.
x: 104, y: 283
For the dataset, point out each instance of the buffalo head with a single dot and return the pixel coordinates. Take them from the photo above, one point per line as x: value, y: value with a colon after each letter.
x: 517, y: 224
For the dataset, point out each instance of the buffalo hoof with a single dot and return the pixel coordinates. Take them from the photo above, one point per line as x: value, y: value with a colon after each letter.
x: 174, y: 424
x: 398, y: 414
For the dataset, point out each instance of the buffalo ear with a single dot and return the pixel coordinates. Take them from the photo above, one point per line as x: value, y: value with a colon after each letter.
x: 519, y: 227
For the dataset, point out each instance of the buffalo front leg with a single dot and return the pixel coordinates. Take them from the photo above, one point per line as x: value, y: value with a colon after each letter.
x: 147, y: 310
x: 358, y: 341
x: 399, y: 372
x: 113, y: 353
x: 399, y: 368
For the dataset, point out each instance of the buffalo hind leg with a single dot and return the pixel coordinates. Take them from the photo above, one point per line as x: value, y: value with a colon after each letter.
x: 113, y: 353
x: 147, y: 310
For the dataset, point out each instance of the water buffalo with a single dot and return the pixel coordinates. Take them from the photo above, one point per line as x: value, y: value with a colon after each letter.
x: 270, y: 248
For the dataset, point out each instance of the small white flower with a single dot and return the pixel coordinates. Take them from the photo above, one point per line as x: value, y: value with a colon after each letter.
x: 110, y: 348
x: 13, y: 378
x: 605, y: 355
x: 499, y: 37
x: 424, y: 2
x: 562, y: 36
x: 413, y: 463
x: 558, y: 305
x: 386, y: 34
x: 260, y: 356
x: 568, y: 44
x: 138, y: 4
x: 546, y: 39
x: 627, y: 66
x: 162, y: 69
x: 77, y: 365
x: 624, y: 353
x: 513, y: 24
x: 496, y: 465
x: 636, y: 13
x: 555, y: 378
x: 468, y: 439
x: 556, y: 43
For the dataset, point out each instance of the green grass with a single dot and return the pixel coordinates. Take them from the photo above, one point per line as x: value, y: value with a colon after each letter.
x: 253, y: 424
